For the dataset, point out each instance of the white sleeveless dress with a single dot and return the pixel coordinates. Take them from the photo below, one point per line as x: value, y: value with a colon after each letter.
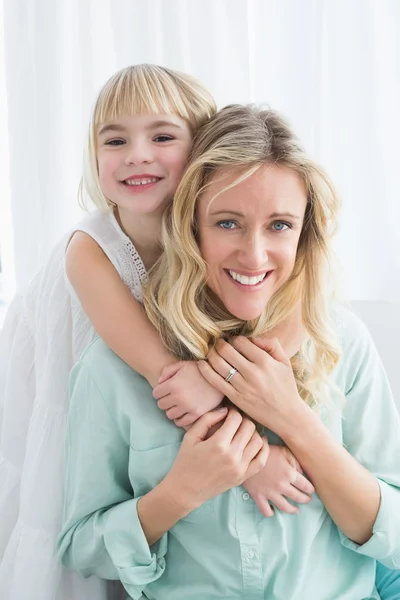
x: 44, y: 334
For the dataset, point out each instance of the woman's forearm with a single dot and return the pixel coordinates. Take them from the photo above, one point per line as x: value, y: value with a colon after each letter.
x: 348, y: 491
x: 159, y: 511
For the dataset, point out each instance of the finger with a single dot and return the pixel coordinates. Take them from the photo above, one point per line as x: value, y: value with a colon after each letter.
x: 297, y: 466
x: 273, y: 347
x: 250, y: 351
x: 264, y: 506
x: 253, y: 449
x: 229, y: 428
x: 219, y: 364
x: 292, y: 460
x: 302, y: 484
x: 199, y: 430
x: 162, y: 389
x: 230, y: 355
x: 283, y: 505
x: 166, y: 402
x: 170, y: 370
x: 175, y: 413
x: 294, y: 494
x: 181, y: 422
x: 243, y: 435
x: 215, y: 379
x: 185, y: 420
x: 259, y: 461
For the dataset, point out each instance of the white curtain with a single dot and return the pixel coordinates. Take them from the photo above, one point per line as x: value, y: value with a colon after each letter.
x: 331, y: 66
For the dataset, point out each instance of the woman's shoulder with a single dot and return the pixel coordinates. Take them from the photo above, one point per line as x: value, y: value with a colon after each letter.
x: 351, y: 331
x: 358, y: 350
x: 113, y: 378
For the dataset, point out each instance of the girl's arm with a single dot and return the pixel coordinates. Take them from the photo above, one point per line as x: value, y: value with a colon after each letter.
x: 116, y: 316
x: 122, y: 323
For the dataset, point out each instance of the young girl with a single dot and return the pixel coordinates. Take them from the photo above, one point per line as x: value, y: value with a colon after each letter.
x: 138, y: 144
x: 139, y: 139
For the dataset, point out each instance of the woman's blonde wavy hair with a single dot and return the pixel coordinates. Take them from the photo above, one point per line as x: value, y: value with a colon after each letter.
x: 177, y: 300
x: 136, y: 90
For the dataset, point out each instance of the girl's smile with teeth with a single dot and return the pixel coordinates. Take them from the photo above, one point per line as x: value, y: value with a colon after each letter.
x: 141, y: 180
x: 141, y: 159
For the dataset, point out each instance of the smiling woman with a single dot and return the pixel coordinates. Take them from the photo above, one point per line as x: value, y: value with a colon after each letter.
x: 247, y: 248
x: 248, y: 236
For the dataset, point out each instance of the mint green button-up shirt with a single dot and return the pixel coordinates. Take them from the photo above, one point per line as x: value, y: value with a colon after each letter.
x: 120, y: 445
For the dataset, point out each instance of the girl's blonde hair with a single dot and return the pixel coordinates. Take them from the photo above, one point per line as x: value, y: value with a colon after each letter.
x: 241, y: 139
x: 137, y: 90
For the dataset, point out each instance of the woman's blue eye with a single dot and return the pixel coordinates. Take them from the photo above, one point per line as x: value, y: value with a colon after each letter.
x: 227, y: 224
x: 281, y: 226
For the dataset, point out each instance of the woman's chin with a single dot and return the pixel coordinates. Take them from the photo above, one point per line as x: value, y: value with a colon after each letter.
x: 246, y: 314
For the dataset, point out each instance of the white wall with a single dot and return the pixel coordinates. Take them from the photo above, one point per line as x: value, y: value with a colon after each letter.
x: 383, y: 321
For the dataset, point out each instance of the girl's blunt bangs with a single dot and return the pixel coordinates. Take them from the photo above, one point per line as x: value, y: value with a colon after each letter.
x: 133, y: 92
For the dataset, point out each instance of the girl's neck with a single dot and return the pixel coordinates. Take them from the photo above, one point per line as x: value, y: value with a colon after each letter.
x: 144, y: 232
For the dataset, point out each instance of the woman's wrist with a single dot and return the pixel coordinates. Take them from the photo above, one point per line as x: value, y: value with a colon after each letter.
x: 159, y: 510
x: 298, y: 425
x: 180, y: 499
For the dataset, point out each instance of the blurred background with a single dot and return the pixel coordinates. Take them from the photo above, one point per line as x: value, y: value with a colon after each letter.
x: 331, y: 66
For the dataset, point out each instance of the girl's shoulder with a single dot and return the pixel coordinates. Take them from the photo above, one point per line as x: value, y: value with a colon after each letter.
x: 104, y: 228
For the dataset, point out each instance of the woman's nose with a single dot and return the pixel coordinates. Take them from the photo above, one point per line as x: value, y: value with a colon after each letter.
x: 253, y: 252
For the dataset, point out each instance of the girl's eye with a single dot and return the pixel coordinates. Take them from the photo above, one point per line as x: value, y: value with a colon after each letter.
x: 227, y: 224
x: 115, y: 143
x: 163, y: 138
x: 281, y: 226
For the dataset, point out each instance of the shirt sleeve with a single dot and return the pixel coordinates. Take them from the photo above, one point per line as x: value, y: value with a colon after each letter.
x: 101, y: 533
x: 371, y: 433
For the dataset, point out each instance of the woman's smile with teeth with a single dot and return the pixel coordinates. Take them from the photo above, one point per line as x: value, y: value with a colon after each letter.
x: 245, y: 280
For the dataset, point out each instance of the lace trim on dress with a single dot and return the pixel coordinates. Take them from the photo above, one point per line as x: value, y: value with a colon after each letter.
x: 134, y: 272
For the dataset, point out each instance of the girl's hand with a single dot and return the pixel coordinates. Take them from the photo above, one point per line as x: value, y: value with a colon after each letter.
x: 279, y: 481
x: 206, y: 467
x: 263, y: 387
x: 184, y: 394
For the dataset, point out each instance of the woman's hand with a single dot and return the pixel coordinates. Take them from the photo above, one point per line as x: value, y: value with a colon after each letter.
x: 263, y: 387
x: 208, y: 466
x: 184, y: 394
x: 278, y: 482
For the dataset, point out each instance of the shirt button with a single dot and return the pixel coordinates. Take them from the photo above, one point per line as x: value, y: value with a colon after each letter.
x: 250, y: 554
x: 246, y: 496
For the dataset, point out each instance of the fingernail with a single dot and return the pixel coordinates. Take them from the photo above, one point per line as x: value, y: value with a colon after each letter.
x: 222, y: 409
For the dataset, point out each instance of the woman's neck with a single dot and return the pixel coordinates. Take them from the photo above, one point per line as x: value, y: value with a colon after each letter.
x: 290, y: 333
x: 144, y: 232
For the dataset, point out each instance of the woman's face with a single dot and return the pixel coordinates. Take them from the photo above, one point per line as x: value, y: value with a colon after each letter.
x: 248, y: 236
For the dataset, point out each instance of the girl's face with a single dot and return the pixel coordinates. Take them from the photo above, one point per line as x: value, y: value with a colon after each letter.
x: 141, y: 160
x: 248, y: 236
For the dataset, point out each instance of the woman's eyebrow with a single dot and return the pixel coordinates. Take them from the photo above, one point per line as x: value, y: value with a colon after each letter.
x: 274, y: 215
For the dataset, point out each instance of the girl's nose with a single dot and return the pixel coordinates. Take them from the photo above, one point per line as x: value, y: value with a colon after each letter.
x: 138, y: 153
